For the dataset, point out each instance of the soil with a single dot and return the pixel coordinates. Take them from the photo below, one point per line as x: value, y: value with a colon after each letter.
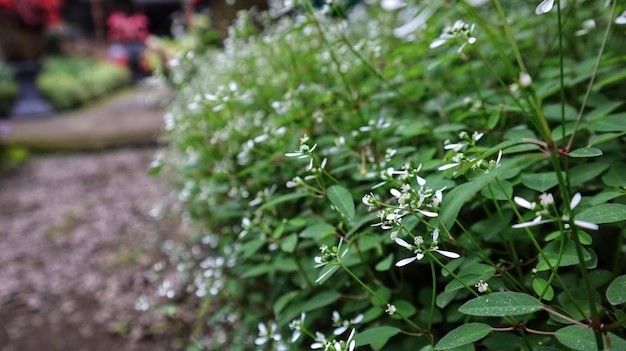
x: 78, y: 236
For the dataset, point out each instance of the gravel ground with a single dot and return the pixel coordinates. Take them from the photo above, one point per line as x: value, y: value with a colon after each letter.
x: 76, y: 244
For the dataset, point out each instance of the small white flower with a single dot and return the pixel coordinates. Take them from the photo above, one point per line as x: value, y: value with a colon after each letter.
x: 266, y: 335
x: 391, y: 309
x: 482, y: 286
x: 296, y: 326
x: 524, y: 80
x: 544, y: 7
x: 415, y: 249
x: 587, y: 26
x: 546, y: 199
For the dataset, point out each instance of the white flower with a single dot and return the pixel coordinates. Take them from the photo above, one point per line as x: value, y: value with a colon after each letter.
x: 266, y: 335
x: 482, y: 286
x: 391, y: 309
x: 320, y: 342
x: 621, y: 19
x: 524, y: 80
x: 459, y: 29
x: 588, y: 25
x: 544, y: 7
x: 546, y: 200
x: 296, y: 326
x: 415, y: 249
x: 344, y: 324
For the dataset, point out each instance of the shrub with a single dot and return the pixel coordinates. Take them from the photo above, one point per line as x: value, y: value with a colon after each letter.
x: 72, y: 82
x: 414, y: 174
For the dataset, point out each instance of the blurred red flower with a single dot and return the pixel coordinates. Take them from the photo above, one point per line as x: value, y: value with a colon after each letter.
x: 35, y: 12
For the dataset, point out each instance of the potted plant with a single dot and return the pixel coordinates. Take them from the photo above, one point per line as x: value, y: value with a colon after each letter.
x: 23, y: 24
x: 128, y: 34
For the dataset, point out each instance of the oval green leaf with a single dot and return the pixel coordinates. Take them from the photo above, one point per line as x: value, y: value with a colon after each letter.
x: 586, y: 152
x: 341, y: 198
x: 540, y: 181
x: 603, y: 213
x: 616, y: 292
x: 540, y: 285
x: 465, y: 334
x: 375, y: 335
x: 501, y: 304
x: 582, y: 339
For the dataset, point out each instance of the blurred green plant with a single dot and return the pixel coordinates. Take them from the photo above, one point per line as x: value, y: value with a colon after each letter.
x: 441, y: 175
x: 69, y: 82
x: 8, y: 88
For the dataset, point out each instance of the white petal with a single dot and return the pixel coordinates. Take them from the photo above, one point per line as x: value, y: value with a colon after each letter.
x: 428, y: 213
x: 448, y: 166
x: 436, y: 234
x: 544, y: 7
x: 575, y: 200
x: 437, y: 43
x: 403, y: 243
x: 520, y: 201
x: 392, y: 5
x: 621, y: 19
x: 534, y: 222
x: 340, y: 330
x: 395, y: 192
x: 448, y: 253
x: 421, y: 181
x: 587, y: 225
x: 413, y: 24
x: 406, y: 261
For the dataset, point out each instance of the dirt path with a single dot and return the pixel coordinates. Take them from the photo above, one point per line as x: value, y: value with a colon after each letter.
x: 78, y: 234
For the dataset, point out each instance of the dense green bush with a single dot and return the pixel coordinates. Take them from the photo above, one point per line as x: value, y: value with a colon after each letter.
x: 69, y: 82
x: 8, y: 88
x: 367, y: 172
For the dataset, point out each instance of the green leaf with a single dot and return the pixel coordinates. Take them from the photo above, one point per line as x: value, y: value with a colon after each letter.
x: 375, y: 335
x: 583, y: 339
x: 586, y: 152
x: 281, y: 199
x: 569, y: 258
x: 498, y: 192
x: 317, y: 231
x: 289, y: 243
x: 577, y: 338
x: 322, y: 299
x: 605, y: 196
x: 616, y: 292
x: 341, y: 198
x: 612, y: 123
x: 499, y: 304
x: 540, y: 181
x: 603, y: 213
x: 616, y: 176
x: 465, y: 334
x: 540, y: 285
x: 385, y: 264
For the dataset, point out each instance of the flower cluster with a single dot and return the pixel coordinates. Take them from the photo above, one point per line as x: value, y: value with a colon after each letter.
x: 321, y: 343
x: 543, y: 210
x: 460, y: 31
x: 458, y: 153
x: 418, y: 248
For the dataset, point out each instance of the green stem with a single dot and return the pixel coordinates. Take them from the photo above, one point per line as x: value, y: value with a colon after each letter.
x: 378, y: 297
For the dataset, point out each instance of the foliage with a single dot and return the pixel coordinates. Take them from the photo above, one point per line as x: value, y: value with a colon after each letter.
x: 74, y: 81
x: 8, y: 88
x: 441, y: 175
